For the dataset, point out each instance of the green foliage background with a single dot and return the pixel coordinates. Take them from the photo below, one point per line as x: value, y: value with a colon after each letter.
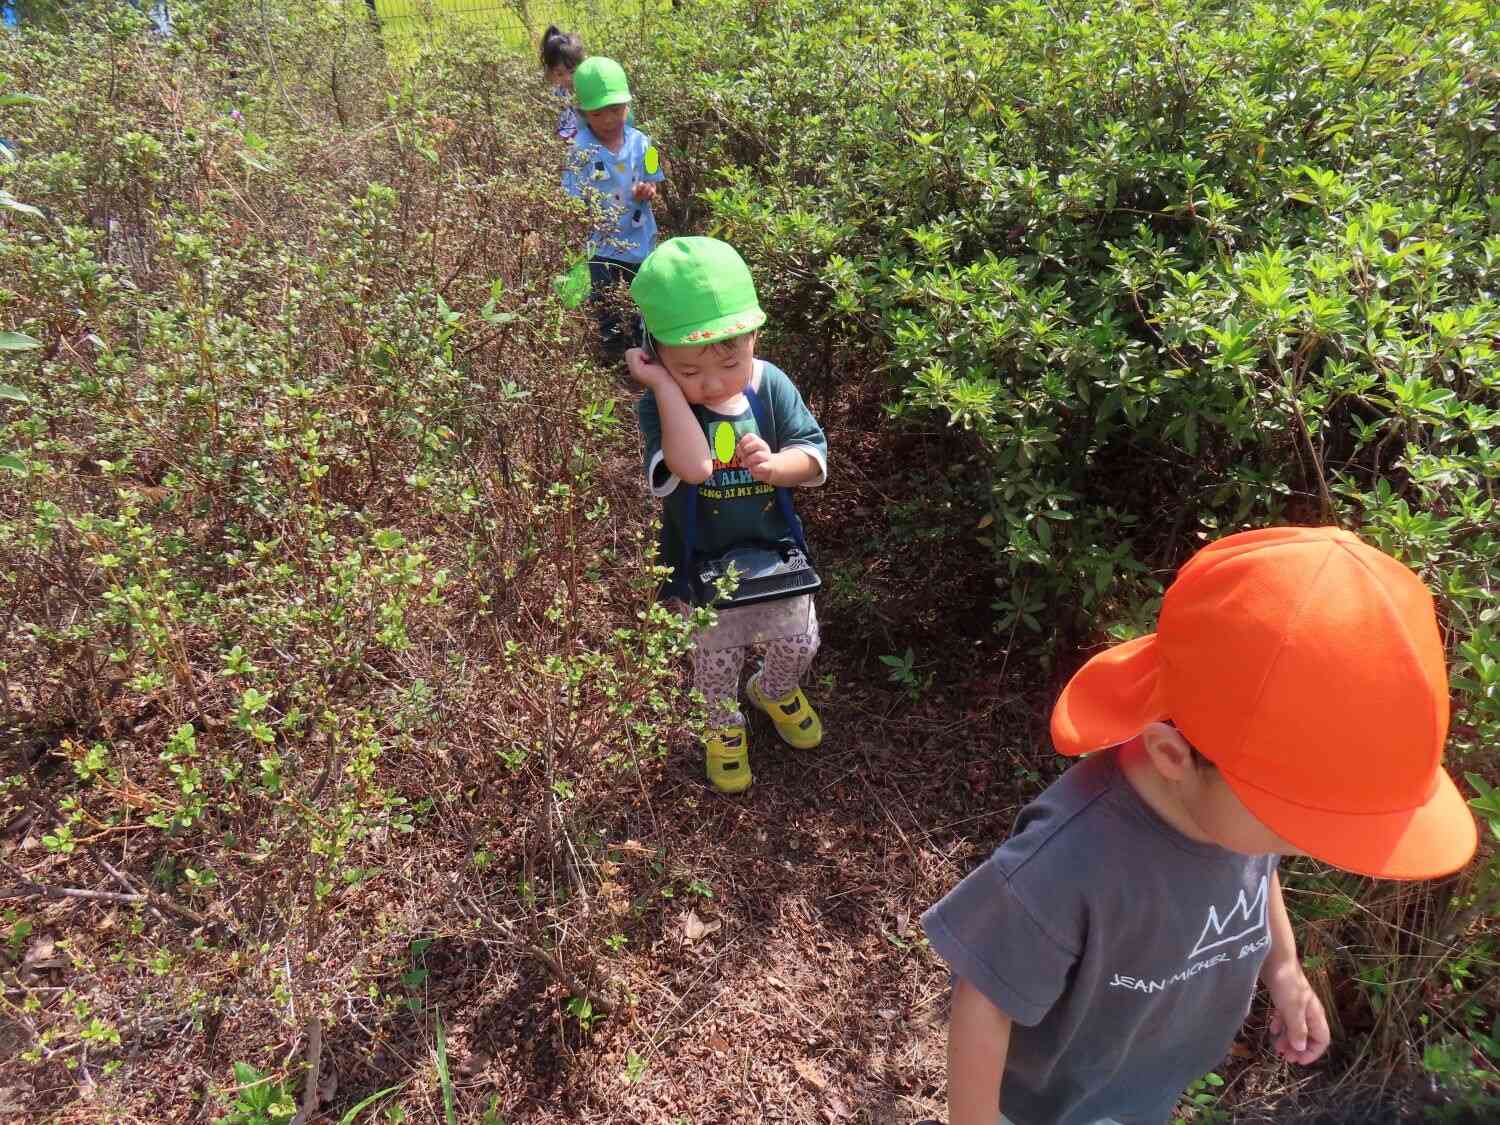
x: 516, y: 24
x: 1179, y: 267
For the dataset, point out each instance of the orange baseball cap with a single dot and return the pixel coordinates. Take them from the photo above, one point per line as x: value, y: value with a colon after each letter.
x: 1307, y: 666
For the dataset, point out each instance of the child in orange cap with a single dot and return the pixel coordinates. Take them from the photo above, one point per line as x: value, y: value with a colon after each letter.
x: 1294, y: 700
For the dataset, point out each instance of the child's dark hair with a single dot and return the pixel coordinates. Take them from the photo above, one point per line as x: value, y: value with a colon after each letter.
x: 561, y: 48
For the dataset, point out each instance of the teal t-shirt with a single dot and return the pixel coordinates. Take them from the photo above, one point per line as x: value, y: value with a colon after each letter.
x: 627, y: 231
x: 733, y: 507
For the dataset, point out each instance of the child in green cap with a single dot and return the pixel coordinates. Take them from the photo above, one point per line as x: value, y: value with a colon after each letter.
x: 561, y: 53
x: 614, y: 168
x: 704, y: 423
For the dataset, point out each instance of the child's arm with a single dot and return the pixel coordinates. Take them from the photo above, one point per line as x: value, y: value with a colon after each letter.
x: 651, y: 172
x: 803, y: 456
x: 1299, y: 1023
x: 978, y: 1039
x: 683, y: 445
x: 786, y: 469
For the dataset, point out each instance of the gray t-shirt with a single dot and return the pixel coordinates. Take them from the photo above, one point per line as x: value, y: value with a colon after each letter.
x: 1125, y: 953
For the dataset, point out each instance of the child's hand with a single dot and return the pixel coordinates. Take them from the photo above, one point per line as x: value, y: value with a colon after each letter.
x: 1299, y: 1026
x: 644, y: 191
x: 642, y: 370
x: 756, y: 457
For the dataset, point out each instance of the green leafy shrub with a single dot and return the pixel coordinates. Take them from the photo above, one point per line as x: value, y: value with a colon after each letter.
x: 1171, y: 281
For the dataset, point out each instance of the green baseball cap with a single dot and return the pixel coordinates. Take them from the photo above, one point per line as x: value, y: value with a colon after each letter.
x: 696, y: 291
x: 599, y: 83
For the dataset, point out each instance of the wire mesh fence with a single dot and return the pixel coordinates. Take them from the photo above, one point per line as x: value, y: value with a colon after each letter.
x: 518, y: 22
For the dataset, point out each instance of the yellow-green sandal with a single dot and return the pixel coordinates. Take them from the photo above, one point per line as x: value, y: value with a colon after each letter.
x: 795, y: 720
x: 726, y: 759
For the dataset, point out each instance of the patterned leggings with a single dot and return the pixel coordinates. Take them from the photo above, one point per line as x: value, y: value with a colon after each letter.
x: 716, y: 673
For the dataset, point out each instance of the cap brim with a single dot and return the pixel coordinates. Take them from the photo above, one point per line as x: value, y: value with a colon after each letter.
x: 1434, y: 839
x: 711, y: 331
x: 1110, y: 698
x: 605, y: 102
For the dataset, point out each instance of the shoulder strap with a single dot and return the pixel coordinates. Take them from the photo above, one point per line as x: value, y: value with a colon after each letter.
x: 768, y: 429
x: 783, y: 495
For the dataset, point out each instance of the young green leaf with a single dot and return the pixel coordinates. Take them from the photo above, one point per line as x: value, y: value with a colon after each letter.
x: 444, y: 1080
x: 18, y: 342
x: 354, y: 1111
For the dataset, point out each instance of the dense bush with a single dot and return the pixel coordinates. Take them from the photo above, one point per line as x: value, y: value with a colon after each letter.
x: 1179, y: 267
x: 319, y: 609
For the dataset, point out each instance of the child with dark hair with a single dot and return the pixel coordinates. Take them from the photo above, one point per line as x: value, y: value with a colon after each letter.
x: 561, y: 54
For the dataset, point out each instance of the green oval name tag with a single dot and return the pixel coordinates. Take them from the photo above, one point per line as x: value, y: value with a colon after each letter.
x: 724, y: 442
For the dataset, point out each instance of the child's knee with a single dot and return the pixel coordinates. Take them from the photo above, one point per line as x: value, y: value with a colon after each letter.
x: 725, y: 662
x: 799, y: 649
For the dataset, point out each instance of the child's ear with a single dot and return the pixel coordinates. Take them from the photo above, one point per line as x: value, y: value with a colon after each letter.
x: 1169, y: 752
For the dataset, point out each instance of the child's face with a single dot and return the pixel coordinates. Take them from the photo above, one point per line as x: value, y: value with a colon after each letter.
x: 608, y: 124
x: 560, y: 75
x: 710, y: 375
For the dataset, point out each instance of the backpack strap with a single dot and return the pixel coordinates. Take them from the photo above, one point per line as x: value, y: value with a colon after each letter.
x: 783, y: 494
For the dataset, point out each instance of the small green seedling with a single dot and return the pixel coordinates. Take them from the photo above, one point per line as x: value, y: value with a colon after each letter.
x: 573, y: 287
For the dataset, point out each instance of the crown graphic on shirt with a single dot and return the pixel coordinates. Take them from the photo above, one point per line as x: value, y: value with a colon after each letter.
x: 1244, y: 918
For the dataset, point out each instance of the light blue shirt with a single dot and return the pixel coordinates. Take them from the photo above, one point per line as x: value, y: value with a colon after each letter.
x: 627, y: 229
x: 567, y: 116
